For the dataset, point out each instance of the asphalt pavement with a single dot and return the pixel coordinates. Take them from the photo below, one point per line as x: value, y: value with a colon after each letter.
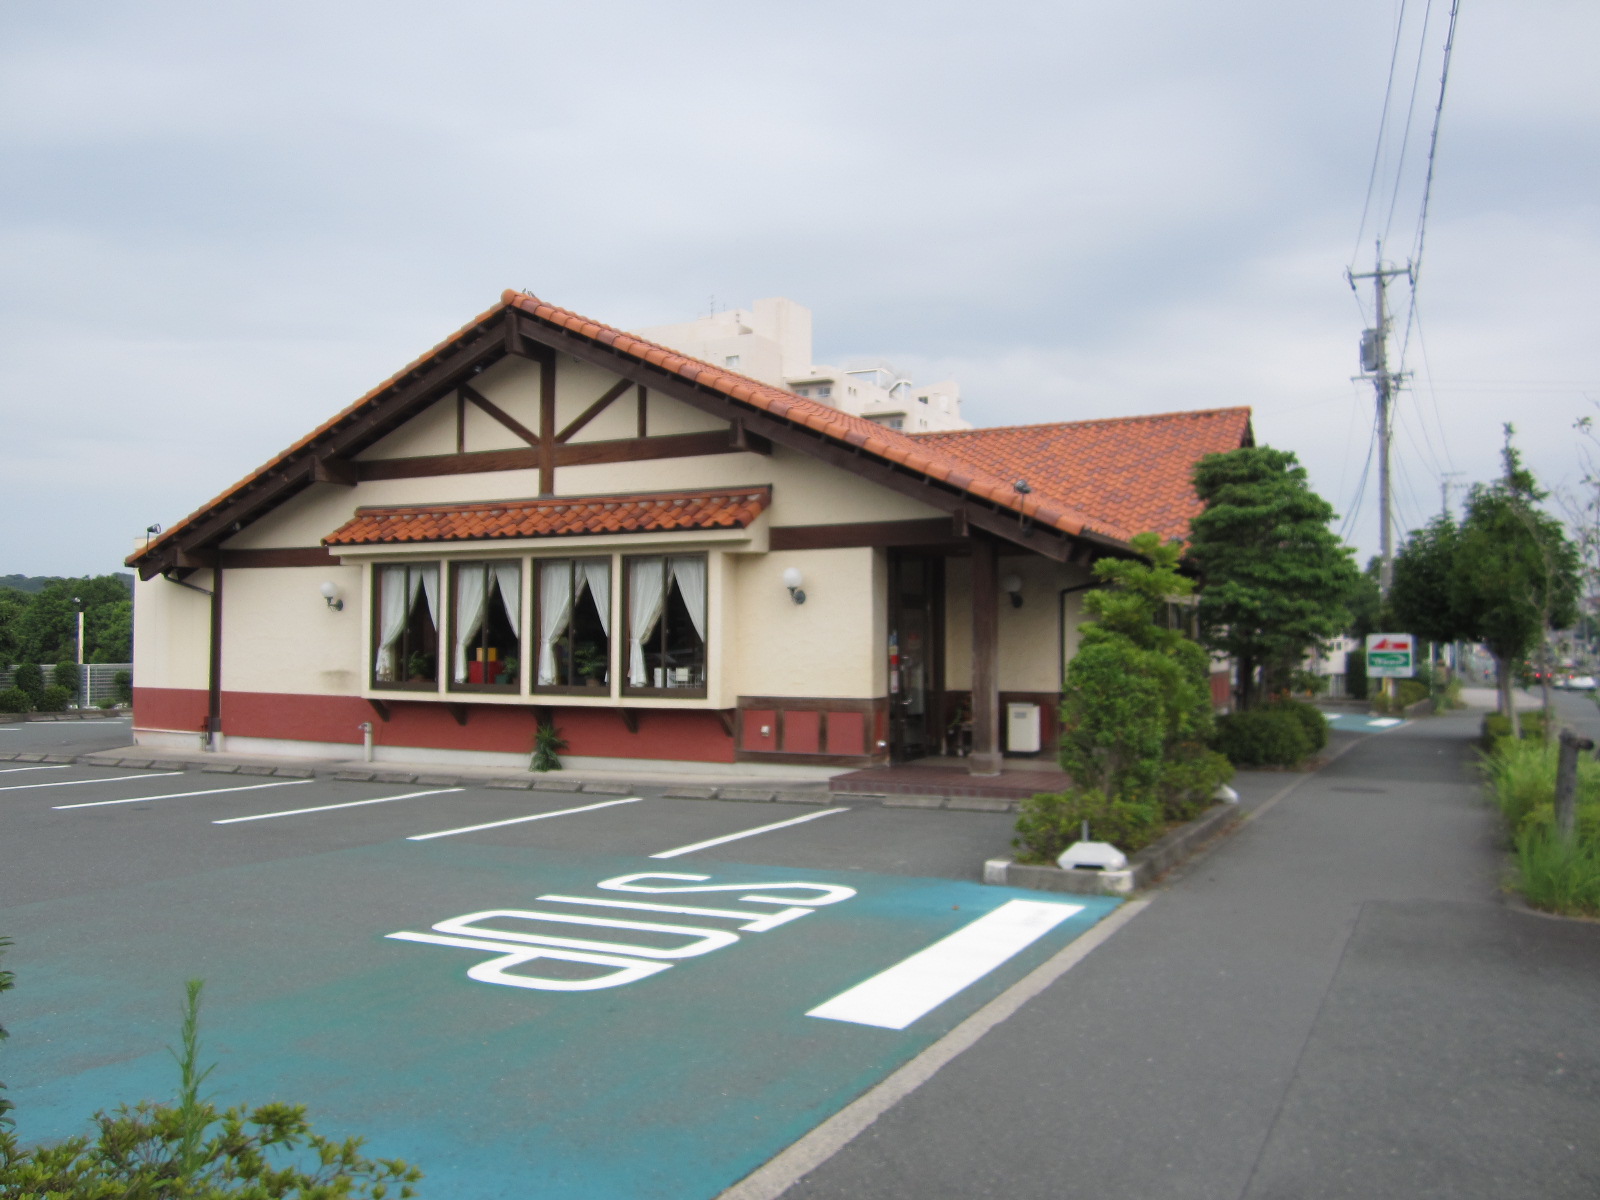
x: 1337, y: 1002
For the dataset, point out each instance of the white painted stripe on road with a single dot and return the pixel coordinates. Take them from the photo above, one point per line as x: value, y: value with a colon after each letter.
x: 252, y: 787
x: 14, y: 770
x: 17, y: 787
x: 295, y: 812
x: 914, y: 986
x: 734, y: 837
x: 560, y: 812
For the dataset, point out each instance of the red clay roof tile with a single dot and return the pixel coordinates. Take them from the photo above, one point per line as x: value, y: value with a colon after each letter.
x: 721, y: 508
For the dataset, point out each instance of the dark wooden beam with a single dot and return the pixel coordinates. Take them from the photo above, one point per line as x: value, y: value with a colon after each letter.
x: 630, y: 719
x: 547, y: 427
x: 932, y: 532
x: 740, y: 438
x: 642, y: 402
x: 729, y: 717
x: 460, y: 712
x: 594, y: 410
x: 461, y: 423
x: 936, y: 494
x: 571, y: 454
x: 985, y: 757
x: 381, y: 707
x: 195, y: 560
x: 328, y: 469
x: 500, y: 414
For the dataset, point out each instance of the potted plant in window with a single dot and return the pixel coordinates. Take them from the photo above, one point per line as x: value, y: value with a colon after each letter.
x: 419, y: 667
x: 590, y: 663
x: 508, y: 672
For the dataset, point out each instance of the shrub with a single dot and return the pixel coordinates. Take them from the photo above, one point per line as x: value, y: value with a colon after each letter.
x: 65, y: 675
x: 547, y: 746
x: 15, y: 700
x: 30, y: 679
x: 54, y: 699
x: 1411, y: 691
x: 189, y: 1149
x: 1496, y: 727
x: 1310, y: 718
x: 123, y: 682
x: 106, y: 702
x: 1262, y: 737
x: 1050, y: 822
x: 1355, y: 674
x: 1189, y: 782
x: 1522, y: 782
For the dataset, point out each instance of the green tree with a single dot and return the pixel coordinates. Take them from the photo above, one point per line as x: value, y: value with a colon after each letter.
x: 1516, y: 575
x: 1422, y: 594
x: 1276, y: 580
x: 12, y: 605
x: 1136, y: 713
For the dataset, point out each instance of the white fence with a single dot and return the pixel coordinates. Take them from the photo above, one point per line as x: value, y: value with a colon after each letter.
x: 96, y: 681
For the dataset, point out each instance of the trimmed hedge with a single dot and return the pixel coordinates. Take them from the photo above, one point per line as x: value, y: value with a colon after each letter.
x: 1495, y: 726
x: 1310, y: 718
x: 54, y: 699
x: 1050, y: 822
x: 1263, y: 737
x: 15, y: 700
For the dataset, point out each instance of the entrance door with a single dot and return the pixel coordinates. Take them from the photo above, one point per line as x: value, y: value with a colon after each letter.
x: 916, y: 640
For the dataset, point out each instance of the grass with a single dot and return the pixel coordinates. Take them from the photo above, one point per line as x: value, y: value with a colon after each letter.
x: 1550, y: 873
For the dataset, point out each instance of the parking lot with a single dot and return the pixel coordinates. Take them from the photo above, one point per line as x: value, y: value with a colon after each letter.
x: 525, y: 993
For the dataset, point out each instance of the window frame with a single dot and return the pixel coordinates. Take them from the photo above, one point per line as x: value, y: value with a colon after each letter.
x: 536, y: 587
x: 376, y: 628
x: 627, y: 690
x: 449, y: 578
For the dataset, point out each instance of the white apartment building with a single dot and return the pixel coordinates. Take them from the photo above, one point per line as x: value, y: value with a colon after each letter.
x: 771, y: 341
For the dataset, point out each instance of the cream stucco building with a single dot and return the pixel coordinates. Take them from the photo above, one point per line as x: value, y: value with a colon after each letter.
x: 548, y: 520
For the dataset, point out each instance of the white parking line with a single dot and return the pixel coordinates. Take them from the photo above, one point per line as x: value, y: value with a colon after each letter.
x: 560, y: 812
x: 915, y: 986
x: 17, y: 787
x: 174, y: 795
x: 734, y: 837
x: 295, y: 812
x: 14, y: 770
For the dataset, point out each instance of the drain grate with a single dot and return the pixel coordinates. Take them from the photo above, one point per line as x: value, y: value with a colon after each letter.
x: 1366, y: 791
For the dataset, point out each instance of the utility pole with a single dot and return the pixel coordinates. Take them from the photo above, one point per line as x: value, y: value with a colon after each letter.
x: 1375, y: 366
x: 1444, y: 491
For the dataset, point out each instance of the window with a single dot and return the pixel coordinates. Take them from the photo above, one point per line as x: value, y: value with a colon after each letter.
x: 485, y: 616
x: 574, y: 619
x: 666, y: 616
x: 406, y: 626
x: 824, y: 392
x: 731, y: 360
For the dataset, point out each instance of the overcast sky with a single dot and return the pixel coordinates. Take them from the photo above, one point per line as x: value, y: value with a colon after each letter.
x: 223, y: 222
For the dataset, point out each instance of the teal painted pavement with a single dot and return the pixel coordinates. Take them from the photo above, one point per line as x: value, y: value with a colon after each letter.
x: 674, y: 1085
x: 1362, y: 722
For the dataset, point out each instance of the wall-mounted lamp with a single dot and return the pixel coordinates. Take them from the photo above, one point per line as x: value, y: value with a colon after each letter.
x: 792, y: 580
x: 1011, y: 585
x: 330, y: 593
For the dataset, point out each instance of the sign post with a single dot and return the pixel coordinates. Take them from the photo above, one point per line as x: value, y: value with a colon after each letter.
x: 1391, y: 656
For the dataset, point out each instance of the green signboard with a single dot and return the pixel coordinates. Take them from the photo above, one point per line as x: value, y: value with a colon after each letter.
x: 1391, y: 656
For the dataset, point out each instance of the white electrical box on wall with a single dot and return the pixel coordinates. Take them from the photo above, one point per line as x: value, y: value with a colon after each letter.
x: 1022, y: 728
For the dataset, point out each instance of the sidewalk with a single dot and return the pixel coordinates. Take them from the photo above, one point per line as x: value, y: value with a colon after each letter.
x: 1337, y: 1002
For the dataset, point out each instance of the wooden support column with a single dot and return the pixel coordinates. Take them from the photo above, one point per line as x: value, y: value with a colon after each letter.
x: 985, y: 757
x: 547, y: 426
x: 214, y: 688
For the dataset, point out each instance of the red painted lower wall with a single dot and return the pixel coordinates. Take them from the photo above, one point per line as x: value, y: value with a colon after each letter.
x: 683, y: 736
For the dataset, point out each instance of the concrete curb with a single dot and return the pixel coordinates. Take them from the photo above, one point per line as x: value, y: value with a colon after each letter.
x: 1143, y: 868
x: 345, y: 773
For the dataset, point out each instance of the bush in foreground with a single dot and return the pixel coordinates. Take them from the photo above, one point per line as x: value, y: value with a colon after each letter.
x: 189, y: 1149
x: 1263, y: 737
x: 15, y: 700
x: 1312, y: 722
x: 1551, y: 872
x: 54, y: 699
x: 1050, y: 822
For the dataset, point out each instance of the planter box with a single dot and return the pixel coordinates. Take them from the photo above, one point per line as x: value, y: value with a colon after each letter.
x: 1143, y: 868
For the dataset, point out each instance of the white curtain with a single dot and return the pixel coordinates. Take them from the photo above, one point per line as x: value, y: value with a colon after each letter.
x: 597, y: 574
x: 555, y: 612
x: 508, y: 575
x: 394, y: 604
x: 469, y: 611
x: 691, y: 576
x: 429, y: 579
x: 646, y: 595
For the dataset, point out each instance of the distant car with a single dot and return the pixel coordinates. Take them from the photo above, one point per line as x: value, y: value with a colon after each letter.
x: 1581, y: 683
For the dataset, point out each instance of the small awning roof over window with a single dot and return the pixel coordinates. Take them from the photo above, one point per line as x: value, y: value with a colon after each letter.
x: 556, y: 516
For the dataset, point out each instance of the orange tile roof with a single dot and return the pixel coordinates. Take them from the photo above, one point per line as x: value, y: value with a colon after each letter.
x: 868, y: 436
x: 555, y: 516
x: 1137, y: 469
x: 1141, y: 479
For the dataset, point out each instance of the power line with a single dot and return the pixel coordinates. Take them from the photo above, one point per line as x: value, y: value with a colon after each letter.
x: 1383, y: 124
x: 1411, y: 114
